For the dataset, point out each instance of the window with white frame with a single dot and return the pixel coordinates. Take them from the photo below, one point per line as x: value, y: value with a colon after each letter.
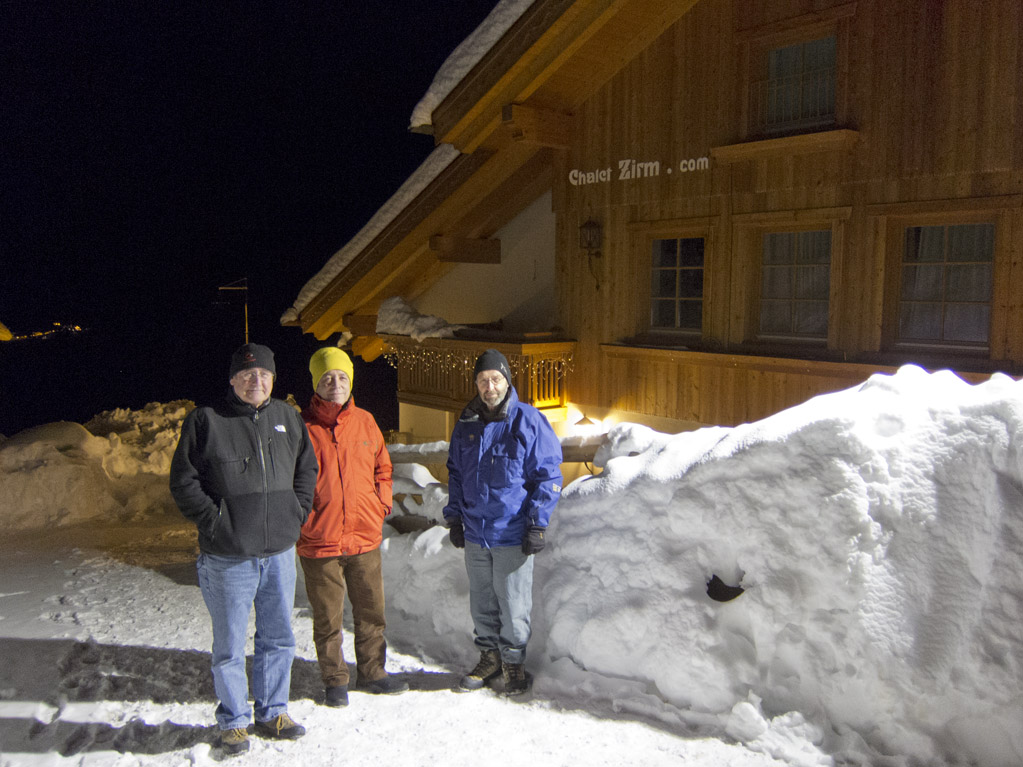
x: 945, y: 286
x: 676, y: 286
x: 795, y: 283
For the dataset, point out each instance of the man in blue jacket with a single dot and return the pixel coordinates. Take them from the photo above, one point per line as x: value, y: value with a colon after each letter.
x: 504, y: 480
x: 244, y: 472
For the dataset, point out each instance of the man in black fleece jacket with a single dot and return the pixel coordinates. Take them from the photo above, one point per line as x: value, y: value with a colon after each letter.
x: 244, y: 472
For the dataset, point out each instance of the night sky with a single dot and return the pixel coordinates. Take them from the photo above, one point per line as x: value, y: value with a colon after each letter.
x: 154, y: 151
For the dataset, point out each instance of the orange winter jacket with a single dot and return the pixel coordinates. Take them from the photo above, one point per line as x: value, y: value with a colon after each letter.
x: 353, y: 488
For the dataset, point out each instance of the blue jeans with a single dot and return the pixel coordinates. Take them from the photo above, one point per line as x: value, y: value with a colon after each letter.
x: 230, y: 587
x: 500, y: 598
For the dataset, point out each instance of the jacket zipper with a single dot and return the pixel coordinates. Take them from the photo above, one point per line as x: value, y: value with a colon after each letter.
x: 262, y: 469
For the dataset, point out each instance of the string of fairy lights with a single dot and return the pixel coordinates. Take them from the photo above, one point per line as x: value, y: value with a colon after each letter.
x: 461, y: 362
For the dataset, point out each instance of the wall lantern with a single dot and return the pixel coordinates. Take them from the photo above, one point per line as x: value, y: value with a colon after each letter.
x: 590, y: 237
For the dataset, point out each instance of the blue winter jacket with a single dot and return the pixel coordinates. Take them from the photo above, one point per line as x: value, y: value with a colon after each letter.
x: 504, y: 473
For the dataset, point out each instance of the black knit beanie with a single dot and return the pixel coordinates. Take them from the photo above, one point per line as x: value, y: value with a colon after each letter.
x: 252, y: 356
x: 492, y: 359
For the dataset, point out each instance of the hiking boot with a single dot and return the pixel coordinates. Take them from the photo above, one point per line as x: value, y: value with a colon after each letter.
x: 515, y: 680
x: 336, y: 697
x: 385, y: 685
x: 234, y: 741
x: 281, y: 727
x: 488, y: 668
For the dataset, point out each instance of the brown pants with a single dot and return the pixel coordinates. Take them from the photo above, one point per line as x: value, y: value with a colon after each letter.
x: 325, y: 584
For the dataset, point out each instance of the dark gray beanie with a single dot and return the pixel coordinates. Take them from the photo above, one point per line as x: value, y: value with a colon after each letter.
x: 252, y: 356
x: 492, y: 359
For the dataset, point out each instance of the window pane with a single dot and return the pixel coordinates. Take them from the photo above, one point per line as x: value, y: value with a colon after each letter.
x: 785, y: 62
x: 777, y: 282
x: 968, y: 283
x: 800, y: 87
x: 925, y: 243
x: 921, y: 283
x: 812, y: 282
x: 662, y: 314
x: 691, y: 251
x: 775, y: 317
x: 663, y: 285
x: 920, y: 322
x: 690, y: 283
x: 967, y: 323
x: 971, y: 242
x: 819, y: 54
x: 794, y: 283
x: 779, y: 248
x: 946, y: 285
x: 811, y: 318
x: 690, y: 315
x: 676, y: 283
x: 665, y: 253
x: 814, y: 248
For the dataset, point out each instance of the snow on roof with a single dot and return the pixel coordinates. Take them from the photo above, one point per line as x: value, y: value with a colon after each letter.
x: 466, y: 56
x: 398, y: 317
x: 455, y: 67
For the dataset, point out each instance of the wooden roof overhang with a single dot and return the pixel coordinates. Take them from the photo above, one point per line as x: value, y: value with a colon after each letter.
x: 508, y: 116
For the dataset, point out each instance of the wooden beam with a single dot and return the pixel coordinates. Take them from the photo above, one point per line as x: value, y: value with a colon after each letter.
x: 541, y: 127
x: 460, y: 250
x: 361, y: 324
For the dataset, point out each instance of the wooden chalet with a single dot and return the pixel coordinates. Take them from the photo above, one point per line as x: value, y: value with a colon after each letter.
x: 690, y: 212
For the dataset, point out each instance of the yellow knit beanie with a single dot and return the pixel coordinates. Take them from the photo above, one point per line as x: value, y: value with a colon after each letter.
x: 330, y: 358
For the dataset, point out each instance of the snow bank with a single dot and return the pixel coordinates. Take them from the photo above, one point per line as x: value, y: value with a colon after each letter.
x: 877, y: 533
x: 114, y: 468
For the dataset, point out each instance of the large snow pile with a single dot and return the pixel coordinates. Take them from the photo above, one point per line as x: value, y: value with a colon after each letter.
x: 114, y: 468
x: 876, y: 533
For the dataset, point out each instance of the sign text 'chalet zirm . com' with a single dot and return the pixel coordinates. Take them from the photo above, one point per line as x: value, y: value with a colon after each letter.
x: 631, y: 170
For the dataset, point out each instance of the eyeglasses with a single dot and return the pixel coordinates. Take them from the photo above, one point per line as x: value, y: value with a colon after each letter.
x: 255, y: 373
x: 487, y: 382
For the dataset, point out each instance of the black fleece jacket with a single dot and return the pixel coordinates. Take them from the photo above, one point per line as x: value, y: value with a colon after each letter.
x: 245, y: 476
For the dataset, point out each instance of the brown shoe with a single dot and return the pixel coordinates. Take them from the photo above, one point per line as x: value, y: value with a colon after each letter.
x: 488, y: 668
x: 234, y: 741
x: 281, y: 727
x: 516, y: 681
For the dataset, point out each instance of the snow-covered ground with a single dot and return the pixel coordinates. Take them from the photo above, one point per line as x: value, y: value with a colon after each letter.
x: 877, y: 534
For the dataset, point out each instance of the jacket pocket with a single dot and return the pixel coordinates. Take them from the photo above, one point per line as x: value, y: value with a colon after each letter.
x: 236, y: 476
x: 503, y: 469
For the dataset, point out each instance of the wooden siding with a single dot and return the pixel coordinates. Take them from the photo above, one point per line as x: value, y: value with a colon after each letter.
x: 723, y: 389
x: 928, y: 96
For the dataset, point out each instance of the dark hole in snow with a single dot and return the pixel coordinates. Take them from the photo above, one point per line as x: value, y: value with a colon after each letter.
x: 720, y: 591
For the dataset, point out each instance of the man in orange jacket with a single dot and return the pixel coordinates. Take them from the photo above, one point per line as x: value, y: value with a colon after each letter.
x: 340, y: 543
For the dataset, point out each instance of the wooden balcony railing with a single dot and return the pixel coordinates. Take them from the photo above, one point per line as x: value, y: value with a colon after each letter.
x: 438, y: 372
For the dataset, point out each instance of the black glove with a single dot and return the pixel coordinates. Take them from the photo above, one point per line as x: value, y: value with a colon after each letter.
x: 534, y: 541
x: 457, y: 534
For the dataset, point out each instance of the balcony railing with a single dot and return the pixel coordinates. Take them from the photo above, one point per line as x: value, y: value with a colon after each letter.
x: 438, y: 372
x: 801, y: 102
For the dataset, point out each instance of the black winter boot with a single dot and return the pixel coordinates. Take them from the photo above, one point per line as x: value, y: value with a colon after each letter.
x: 488, y: 668
x: 515, y: 680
